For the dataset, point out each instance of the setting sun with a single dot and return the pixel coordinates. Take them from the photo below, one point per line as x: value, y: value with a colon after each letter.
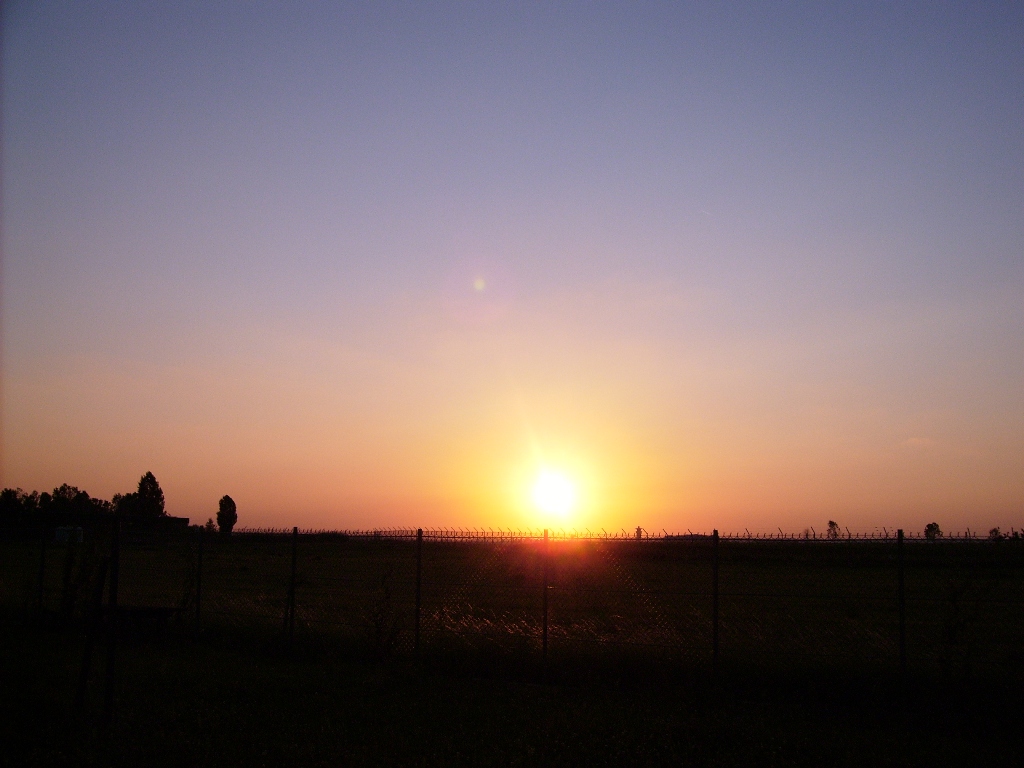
x: 554, y: 493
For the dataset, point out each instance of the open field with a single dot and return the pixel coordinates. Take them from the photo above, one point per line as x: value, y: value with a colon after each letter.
x: 217, y: 702
x: 808, y: 670
x: 781, y: 605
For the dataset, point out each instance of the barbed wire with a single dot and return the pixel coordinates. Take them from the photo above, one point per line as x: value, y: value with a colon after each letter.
x: 539, y: 534
x: 392, y: 591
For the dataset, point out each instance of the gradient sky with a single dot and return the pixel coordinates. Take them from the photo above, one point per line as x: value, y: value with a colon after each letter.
x: 744, y: 266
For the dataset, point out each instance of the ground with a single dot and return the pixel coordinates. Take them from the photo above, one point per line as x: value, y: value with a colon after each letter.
x: 214, y: 702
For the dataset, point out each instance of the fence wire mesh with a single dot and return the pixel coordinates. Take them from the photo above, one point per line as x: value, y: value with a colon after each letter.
x: 770, y: 603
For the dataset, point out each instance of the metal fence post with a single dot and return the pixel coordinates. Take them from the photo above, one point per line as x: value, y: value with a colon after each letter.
x: 419, y: 580
x: 544, y: 626
x: 115, y: 569
x: 902, y: 603
x: 95, y: 617
x: 714, y: 601
x: 199, y: 577
x: 42, y: 568
x: 290, y: 614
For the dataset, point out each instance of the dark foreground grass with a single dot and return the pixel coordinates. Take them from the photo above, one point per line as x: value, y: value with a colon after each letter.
x: 182, y: 702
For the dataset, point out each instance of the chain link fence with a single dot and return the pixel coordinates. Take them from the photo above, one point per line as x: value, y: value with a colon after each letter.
x: 882, y: 604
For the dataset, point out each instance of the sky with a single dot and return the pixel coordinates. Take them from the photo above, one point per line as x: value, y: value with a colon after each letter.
x: 735, y: 266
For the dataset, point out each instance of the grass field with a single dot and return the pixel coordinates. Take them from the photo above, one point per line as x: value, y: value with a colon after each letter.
x: 808, y: 671
x: 781, y: 605
x: 221, y: 702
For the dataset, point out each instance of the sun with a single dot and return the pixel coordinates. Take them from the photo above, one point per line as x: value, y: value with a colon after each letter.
x: 554, y: 493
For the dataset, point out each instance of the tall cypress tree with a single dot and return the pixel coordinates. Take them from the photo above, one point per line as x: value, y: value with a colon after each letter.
x: 227, y: 515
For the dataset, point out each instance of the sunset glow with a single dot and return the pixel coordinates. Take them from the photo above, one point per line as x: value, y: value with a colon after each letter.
x: 577, y: 383
x: 554, y: 494
x: 667, y: 265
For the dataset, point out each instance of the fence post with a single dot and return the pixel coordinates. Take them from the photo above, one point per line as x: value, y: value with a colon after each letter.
x: 42, y: 569
x: 96, y: 613
x: 290, y: 613
x: 199, y: 577
x: 544, y: 626
x: 902, y: 604
x: 419, y: 579
x: 115, y: 569
x: 714, y: 601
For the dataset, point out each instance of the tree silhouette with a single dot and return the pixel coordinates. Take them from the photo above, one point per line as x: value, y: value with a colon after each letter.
x: 932, y: 531
x: 833, y: 530
x: 150, y: 497
x: 67, y: 493
x: 67, y: 499
x: 227, y: 515
x: 125, y: 504
x: 15, y: 504
x: 12, y: 502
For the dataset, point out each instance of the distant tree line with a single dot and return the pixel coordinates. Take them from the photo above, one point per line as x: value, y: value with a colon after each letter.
x: 144, y: 504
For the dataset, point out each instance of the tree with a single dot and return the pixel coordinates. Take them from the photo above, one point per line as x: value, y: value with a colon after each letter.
x: 210, y: 526
x: 65, y: 492
x: 932, y: 531
x: 12, y: 501
x: 150, y: 498
x: 69, y: 499
x: 227, y: 515
x: 833, y: 530
x: 125, y: 504
x: 101, y: 506
x: 30, y: 502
